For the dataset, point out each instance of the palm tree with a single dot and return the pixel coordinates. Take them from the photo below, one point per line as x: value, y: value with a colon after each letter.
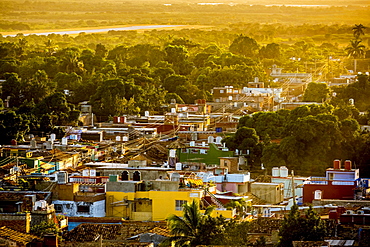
x: 71, y: 62
x: 358, y: 30
x: 355, y: 50
x: 186, y: 230
x: 50, y: 47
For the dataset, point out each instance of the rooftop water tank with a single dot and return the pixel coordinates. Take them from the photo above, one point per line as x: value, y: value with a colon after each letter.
x: 210, y: 139
x: 218, y: 139
x: 275, y: 172
x: 283, y: 171
x: 64, y: 141
x: 92, y: 173
x: 85, y: 173
x: 178, y: 166
x: 53, y: 137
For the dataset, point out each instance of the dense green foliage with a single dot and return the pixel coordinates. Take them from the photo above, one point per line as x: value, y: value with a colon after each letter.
x: 297, y: 228
x: 46, y: 227
x: 306, y: 139
x: 195, y: 228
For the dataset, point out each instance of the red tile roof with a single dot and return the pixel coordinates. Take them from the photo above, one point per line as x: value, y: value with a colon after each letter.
x: 15, y: 236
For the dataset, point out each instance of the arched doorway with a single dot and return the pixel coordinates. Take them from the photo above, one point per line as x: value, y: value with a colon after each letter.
x: 125, y: 176
x: 136, y: 176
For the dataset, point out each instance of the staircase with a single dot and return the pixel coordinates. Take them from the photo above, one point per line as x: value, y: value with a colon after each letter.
x: 214, y: 199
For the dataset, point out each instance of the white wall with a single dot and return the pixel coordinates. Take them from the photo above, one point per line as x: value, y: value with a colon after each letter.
x: 69, y: 208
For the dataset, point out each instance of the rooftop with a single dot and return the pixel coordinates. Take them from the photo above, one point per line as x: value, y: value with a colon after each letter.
x: 16, y: 236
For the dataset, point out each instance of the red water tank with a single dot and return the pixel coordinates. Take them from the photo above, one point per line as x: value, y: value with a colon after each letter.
x: 348, y: 165
x: 337, y: 164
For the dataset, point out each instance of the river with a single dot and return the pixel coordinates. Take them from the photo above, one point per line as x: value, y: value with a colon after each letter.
x: 101, y: 30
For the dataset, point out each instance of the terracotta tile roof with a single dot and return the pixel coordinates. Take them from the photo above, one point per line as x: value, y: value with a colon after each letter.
x: 16, y: 236
x: 17, y: 225
x: 161, y: 231
x: 89, y: 232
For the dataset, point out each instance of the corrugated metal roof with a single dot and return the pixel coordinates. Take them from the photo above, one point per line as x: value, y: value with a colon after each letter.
x: 341, y: 242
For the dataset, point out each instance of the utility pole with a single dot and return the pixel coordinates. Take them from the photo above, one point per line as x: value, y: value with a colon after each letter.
x: 293, y: 188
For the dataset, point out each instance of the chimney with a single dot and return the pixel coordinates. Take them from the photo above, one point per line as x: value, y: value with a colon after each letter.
x: 348, y: 165
x: 50, y: 240
x: 337, y: 164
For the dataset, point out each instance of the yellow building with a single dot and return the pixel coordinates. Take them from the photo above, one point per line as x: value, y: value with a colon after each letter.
x: 151, y: 200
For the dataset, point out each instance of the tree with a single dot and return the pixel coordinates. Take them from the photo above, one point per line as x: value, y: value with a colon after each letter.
x: 355, y: 50
x: 40, y: 85
x: 101, y: 51
x: 243, y: 139
x: 12, y: 126
x: 297, y: 228
x: 247, y: 142
x: 151, y: 99
x: 162, y: 73
x: 112, y: 97
x: 239, y: 205
x: 173, y: 81
x: 358, y: 91
x: 316, y: 92
x: 245, y: 46
x: 266, y: 124
x: 11, y: 90
x: 271, y: 51
x: 187, y: 230
x: 50, y: 47
x: 175, y: 54
x: 271, y: 156
x: 55, y: 110
x: 71, y: 61
x: 46, y: 227
x: 358, y: 30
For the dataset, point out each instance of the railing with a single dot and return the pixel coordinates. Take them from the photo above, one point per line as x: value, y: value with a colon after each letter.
x: 89, y: 179
x: 316, y: 182
x: 342, y: 183
x: 214, y: 200
x: 329, y: 182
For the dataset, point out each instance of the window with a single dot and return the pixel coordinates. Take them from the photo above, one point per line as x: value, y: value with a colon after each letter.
x: 179, y: 204
x: 83, y: 209
x: 58, y: 208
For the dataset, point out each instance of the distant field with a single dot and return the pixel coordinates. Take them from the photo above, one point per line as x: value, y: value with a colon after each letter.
x: 25, y: 16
